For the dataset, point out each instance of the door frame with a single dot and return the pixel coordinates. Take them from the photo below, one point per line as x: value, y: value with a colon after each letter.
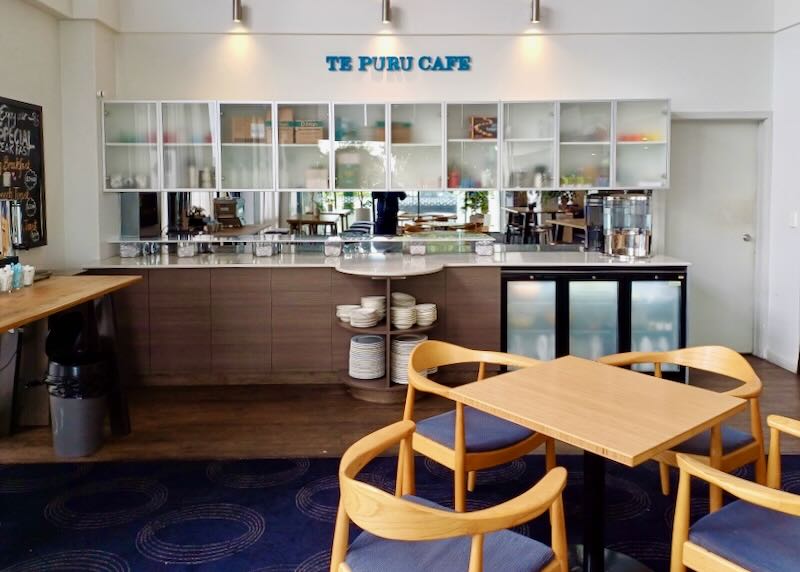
x: 763, y: 119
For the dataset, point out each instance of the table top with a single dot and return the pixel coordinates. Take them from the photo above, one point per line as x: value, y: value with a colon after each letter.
x: 616, y: 413
x: 337, y: 212
x: 570, y: 222
x: 525, y: 210
x: 55, y: 295
x: 310, y: 219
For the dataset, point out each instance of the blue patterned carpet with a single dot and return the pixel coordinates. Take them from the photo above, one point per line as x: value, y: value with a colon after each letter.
x: 270, y: 515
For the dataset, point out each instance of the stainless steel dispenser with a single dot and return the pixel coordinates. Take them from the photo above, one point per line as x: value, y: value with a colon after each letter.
x: 594, y: 224
x: 11, y: 237
x: 627, y: 225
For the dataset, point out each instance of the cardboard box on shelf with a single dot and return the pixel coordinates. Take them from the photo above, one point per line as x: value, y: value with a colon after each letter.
x: 285, y: 133
x: 250, y: 129
x: 483, y: 127
x: 308, y: 135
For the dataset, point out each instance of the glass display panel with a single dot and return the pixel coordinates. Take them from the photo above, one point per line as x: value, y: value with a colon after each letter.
x: 531, y: 318
x: 416, y: 136
x: 642, y: 128
x: 246, y: 141
x: 131, y: 146
x: 472, y: 146
x: 188, y: 135
x: 529, y: 135
x: 360, y: 148
x: 593, y: 318
x: 303, y: 146
x: 585, y: 149
x: 655, y: 318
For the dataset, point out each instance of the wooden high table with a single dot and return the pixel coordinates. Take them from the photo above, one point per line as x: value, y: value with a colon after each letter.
x: 609, y: 413
x: 57, y: 294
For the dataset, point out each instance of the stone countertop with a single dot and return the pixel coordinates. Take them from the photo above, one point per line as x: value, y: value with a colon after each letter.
x: 387, y: 265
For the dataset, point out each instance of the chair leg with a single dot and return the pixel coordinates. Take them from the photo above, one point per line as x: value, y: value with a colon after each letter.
x: 663, y: 469
x: 550, y: 454
x: 409, y: 479
x: 460, y: 490
x: 398, y: 487
x: 761, y: 470
x: 471, y: 478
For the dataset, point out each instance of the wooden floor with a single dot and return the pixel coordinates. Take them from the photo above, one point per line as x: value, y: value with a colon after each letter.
x: 295, y: 420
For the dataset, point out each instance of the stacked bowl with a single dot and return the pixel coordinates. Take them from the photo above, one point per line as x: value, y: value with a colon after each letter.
x: 376, y: 303
x: 426, y: 314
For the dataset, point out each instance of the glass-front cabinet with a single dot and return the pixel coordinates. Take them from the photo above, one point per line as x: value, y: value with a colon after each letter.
x: 189, y: 139
x: 304, y: 146
x: 472, y: 150
x: 642, y: 133
x: 360, y: 146
x: 416, y: 146
x: 593, y: 313
x: 246, y: 146
x: 585, y: 144
x: 528, y: 145
x: 130, y: 146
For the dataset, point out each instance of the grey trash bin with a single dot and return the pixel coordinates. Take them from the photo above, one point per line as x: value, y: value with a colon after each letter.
x: 77, y: 407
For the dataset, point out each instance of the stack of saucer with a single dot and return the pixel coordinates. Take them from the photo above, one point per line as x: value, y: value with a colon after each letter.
x: 426, y: 314
x: 343, y: 311
x: 363, y: 318
x: 367, y: 357
x: 402, y: 300
x: 403, y: 318
x: 401, y: 350
x: 377, y: 303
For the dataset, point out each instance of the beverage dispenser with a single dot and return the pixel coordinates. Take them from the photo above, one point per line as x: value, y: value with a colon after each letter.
x: 627, y: 225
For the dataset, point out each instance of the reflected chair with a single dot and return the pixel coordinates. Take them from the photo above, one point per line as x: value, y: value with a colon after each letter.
x: 758, y: 532
x: 738, y: 448
x: 406, y: 533
x: 464, y: 440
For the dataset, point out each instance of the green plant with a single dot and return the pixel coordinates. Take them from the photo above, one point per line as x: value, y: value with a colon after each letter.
x: 476, y: 201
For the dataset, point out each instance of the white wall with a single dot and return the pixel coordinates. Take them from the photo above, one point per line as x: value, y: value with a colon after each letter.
x: 29, y: 68
x: 787, y: 13
x: 783, y: 329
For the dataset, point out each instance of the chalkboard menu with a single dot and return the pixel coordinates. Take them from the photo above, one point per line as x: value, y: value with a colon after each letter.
x: 22, y: 166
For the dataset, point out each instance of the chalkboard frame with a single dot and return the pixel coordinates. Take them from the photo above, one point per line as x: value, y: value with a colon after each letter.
x: 42, y: 185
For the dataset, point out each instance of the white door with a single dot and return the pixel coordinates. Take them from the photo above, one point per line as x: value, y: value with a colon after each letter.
x: 710, y: 222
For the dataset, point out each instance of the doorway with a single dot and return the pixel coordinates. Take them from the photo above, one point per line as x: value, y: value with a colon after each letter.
x: 711, y: 221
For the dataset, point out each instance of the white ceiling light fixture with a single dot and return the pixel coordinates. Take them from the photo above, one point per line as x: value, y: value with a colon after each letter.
x: 237, y: 10
x: 536, y: 11
x: 386, y: 12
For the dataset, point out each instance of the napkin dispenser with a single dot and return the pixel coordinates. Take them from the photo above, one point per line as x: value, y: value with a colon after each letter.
x: 229, y: 212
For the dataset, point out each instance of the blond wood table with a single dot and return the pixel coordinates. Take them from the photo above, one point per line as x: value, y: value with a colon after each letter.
x: 610, y: 413
x: 59, y: 293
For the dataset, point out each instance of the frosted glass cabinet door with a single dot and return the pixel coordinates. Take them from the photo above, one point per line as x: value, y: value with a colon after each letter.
x: 642, y: 132
x: 304, y: 146
x: 246, y: 142
x: 472, y: 146
x: 531, y: 318
x: 593, y: 318
x: 529, y: 139
x: 416, y: 143
x: 189, y: 138
x: 131, y: 146
x: 360, y: 146
x: 655, y: 317
x: 585, y: 145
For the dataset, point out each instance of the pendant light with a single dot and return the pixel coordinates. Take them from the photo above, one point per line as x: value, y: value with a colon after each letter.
x: 237, y: 10
x: 386, y: 12
x: 536, y: 12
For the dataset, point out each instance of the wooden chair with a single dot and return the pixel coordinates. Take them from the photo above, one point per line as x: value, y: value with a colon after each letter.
x: 408, y: 533
x: 734, y: 448
x: 758, y: 532
x: 464, y: 440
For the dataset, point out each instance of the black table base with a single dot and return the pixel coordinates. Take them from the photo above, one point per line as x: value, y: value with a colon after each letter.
x: 612, y: 561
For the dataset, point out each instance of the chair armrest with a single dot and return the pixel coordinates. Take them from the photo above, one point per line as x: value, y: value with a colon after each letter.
x: 399, y: 519
x: 784, y: 425
x: 369, y: 447
x: 422, y: 383
x: 745, y: 490
x: 630, y: 358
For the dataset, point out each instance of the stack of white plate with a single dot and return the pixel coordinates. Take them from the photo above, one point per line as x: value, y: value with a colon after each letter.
x: 403, y: 318
x: 343, y: 311
x: 403, y: 300
x: 401, y: 350
x: 367, y: 357
x: 377, y: 303
x: 426, y: 314
x: 363, y: 318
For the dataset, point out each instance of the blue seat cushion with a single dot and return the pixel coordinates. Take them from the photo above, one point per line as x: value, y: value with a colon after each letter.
x: 504, y: 551
x: 753, y: 537
x: 732, y: 439
x: 484, y: 432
